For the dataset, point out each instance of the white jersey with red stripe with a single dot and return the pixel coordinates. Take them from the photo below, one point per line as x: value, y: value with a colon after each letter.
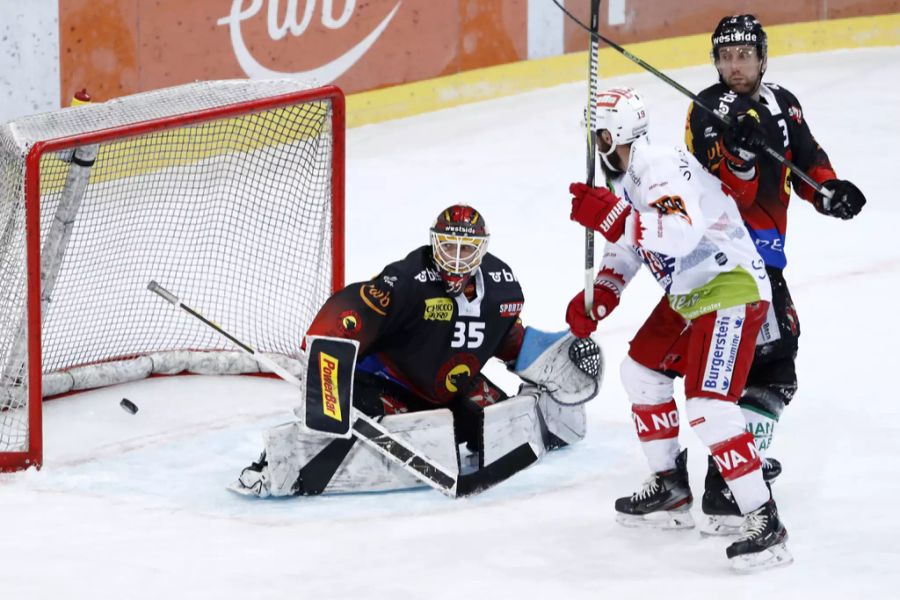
x: 687, y: 231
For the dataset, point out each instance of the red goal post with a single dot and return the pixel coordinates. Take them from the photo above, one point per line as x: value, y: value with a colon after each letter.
x: 230, y: 192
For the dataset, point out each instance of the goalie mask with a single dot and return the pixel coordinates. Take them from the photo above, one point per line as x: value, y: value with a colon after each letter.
x: 459, y: 240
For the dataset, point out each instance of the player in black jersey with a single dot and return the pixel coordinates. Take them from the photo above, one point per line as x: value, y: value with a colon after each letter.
x: 762, y: 113
x: 426, y: 326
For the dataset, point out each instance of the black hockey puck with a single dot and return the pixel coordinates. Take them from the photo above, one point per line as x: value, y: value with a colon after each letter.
x: 128, y: 406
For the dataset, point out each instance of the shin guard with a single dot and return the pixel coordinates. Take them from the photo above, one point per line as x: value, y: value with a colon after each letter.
x: 657, y: 429
x: 738, y: 460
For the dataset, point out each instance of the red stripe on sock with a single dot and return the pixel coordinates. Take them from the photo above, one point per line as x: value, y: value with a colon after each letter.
x: 737, y: 456
x: 655, y: 421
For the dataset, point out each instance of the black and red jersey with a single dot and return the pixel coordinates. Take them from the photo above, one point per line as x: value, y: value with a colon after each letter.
x: 432, y: 343
x: 762, y: 200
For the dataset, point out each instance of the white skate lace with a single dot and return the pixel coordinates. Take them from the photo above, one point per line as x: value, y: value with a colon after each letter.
x: 755, y: 524
x: 648, y: 488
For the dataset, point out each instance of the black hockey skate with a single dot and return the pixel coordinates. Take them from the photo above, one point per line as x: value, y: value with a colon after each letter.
x: 771, y: 469
x: 764, y: 547
x: 664, y: 501
x: 721, y: 515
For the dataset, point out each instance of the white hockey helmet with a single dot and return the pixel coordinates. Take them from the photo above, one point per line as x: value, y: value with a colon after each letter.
x: 621, y: 112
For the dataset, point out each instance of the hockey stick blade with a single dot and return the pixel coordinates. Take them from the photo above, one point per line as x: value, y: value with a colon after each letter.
x: 497, y: 472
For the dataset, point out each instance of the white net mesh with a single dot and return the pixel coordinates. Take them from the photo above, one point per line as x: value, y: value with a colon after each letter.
x: 234, y: 215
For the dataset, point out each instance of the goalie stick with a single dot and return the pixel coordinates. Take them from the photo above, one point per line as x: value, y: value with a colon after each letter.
x: 374, y: 435
x: 727, y: 121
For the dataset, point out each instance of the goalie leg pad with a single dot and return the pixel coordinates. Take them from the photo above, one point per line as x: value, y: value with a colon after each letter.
x: 301, y: 463
x: 531, y: 418
x: 569, y: 369
x: 509, y: 424
x: 565, y: 424
x: 289, y: 448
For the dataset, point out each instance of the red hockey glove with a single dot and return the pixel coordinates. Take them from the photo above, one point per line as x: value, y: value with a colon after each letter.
x: 600, y: 210
x: 845, y: 203
x: 582, y: 325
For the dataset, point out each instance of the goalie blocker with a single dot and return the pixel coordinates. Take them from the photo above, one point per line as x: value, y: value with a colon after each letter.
x: 301, y: 459
x: 327, y: 409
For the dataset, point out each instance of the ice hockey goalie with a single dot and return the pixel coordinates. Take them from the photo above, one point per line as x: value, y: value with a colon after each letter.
x: 416, y: 338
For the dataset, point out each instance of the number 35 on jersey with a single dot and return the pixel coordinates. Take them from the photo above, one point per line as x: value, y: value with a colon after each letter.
x: 467, y: 334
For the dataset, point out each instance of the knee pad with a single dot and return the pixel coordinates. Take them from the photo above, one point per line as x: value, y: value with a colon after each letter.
x: 714, y: 421
x: 645, y: 386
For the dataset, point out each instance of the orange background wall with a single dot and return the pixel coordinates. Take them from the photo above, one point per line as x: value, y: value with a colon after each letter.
x: 117, y: 47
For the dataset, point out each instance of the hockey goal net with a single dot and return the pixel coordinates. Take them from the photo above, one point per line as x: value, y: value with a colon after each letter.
x: 228, y: 193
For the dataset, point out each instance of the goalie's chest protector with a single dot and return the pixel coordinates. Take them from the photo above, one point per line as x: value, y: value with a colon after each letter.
x: 437, y: 343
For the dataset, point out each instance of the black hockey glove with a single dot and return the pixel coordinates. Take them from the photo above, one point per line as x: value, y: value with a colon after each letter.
x: 742, y: 140
x: 846, y: 202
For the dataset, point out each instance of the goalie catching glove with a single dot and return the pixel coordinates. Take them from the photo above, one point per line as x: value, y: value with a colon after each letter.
x: 567, y: 368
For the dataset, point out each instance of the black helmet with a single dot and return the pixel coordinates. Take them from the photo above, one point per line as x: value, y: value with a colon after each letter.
x: 740, y: 30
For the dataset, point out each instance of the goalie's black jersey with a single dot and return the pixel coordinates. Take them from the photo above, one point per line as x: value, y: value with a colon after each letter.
x: 431, y: 342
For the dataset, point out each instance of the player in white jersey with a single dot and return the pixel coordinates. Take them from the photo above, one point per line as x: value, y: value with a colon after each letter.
x: 676, y: 219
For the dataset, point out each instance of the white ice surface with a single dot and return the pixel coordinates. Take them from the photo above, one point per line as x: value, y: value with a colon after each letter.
x: 134, y: 507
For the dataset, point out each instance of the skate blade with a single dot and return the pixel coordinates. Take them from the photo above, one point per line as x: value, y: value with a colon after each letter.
x: 721, y: 525
x: 776, y: 556
x: 670, y: 519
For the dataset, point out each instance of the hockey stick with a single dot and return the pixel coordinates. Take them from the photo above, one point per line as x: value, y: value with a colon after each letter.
x: 727, y: 121
x: 590, y: 118
x: 382, y: 441
x: 364, y: 428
